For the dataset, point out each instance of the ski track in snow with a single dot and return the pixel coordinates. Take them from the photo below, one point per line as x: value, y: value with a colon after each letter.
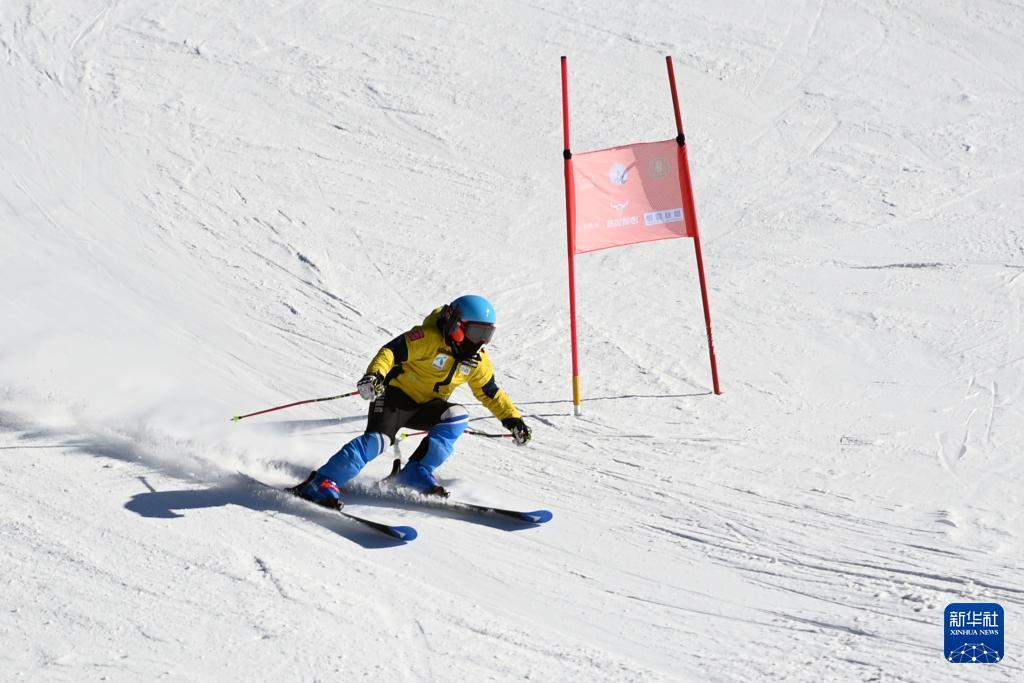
x: 209, y: 209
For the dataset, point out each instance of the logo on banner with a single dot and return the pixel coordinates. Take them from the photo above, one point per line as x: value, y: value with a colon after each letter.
x: 659, y: 168
x: 619, y: 206
x: 618, y: 174
x: 974, y: 632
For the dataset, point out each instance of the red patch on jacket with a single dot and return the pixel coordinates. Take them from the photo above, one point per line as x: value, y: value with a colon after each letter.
x: 416, y: 333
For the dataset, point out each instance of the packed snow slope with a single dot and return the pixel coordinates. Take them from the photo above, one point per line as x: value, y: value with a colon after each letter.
x: 211, y: 208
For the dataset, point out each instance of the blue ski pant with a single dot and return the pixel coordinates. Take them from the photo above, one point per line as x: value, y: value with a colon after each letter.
x: 445, y: 422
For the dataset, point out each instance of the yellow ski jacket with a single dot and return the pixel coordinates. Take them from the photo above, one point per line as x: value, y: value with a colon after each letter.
x: 421, y: 364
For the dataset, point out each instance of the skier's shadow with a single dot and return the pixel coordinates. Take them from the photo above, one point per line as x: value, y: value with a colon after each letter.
x: 173, y: 504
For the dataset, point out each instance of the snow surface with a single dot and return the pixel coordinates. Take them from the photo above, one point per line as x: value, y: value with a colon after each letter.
x: 211, y: 208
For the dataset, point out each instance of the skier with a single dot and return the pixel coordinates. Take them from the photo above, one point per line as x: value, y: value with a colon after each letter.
x: 409, y: 382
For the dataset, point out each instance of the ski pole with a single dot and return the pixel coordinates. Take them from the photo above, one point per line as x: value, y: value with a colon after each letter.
x: 486, y: 435
x: 399, y: 438
x: 236, y: 418
x: 402, y: 437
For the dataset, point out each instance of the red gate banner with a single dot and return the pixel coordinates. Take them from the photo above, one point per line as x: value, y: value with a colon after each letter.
x: 628, y: 194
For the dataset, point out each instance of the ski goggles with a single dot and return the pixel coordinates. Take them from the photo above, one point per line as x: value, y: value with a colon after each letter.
x: 476, y: 333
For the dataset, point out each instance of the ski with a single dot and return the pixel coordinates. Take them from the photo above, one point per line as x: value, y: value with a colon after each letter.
x: 442, y: 497
x: 531, y: 517
x: 402, y: 533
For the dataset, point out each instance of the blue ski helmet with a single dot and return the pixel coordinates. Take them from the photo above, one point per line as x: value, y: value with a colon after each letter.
x: 469, y: 322
x: 473, y: 308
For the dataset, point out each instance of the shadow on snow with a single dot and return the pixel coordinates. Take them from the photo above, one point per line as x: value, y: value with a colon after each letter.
x: 240, y: 491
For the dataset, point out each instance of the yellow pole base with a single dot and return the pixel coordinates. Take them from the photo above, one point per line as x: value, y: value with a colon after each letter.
x: 576, y: 399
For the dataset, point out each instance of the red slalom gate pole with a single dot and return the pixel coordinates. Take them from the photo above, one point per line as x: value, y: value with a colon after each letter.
x: 570, y: 227
x: 690, y: 210
x: 236, y: 418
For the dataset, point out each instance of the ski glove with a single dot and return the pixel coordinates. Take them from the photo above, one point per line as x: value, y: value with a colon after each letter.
x: 370, y: 387
x: 520, y: 432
